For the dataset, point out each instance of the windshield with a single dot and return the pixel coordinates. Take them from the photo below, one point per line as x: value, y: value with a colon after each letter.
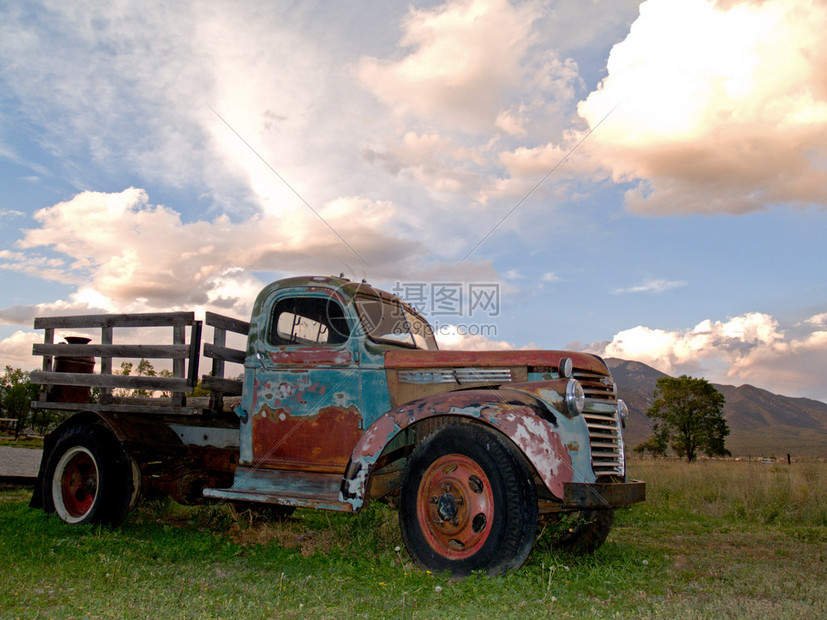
x: 394, y: 323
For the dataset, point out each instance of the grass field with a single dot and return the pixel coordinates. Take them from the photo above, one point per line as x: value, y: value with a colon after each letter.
x: 714, y: 540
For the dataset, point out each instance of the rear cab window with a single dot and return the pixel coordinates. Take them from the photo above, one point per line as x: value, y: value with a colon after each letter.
x: 308, y: 321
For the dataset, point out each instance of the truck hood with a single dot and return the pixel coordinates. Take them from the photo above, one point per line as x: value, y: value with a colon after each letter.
x: 537, y: 361
x: 415, y: 374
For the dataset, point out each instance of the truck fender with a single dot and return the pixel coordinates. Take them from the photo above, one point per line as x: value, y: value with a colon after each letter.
x: 529, y: 423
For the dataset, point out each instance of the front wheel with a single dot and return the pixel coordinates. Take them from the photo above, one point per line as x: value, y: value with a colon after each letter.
x: 467, y: 503
x: 88, y: 478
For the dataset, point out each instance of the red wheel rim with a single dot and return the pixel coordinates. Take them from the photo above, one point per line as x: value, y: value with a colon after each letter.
x: 455, y: 506
x: 75, y: 485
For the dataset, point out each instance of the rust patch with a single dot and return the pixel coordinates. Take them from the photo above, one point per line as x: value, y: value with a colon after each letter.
x: 322, y: 441
x: 312, y: 356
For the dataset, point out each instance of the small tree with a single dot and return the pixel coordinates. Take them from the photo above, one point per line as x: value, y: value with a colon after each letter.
x: 653, y: 445
x: 16, y: 395
x: 689, y: 416
x: 144, y: 369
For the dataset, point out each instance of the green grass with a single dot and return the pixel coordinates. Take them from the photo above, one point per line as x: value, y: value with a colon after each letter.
x: 23, y: 442
x: 715, y: 540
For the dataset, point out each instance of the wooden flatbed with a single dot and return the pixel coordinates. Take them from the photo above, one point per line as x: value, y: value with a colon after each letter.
x: 62, y: 361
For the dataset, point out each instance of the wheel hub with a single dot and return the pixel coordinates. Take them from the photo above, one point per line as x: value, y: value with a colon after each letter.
x: 447, y: 507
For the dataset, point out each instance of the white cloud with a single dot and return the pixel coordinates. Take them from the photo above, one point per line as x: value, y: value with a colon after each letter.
x: 432, y: 160
x: 468, y: 338
x: 48, y: 268
x: 723, y: 108
x: 124, y: 253
x: 16, y: 350
x: 464, y: 55
x: 819, y: 320
x: 651, y: 286
x: 511, y: 122
x: 81, y: 302
x: 478, y: 75
x: 752, y: 348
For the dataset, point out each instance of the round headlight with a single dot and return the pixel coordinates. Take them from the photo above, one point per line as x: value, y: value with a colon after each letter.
x: 575, y: 397
x: 623, y: 410
x: 565, y: 367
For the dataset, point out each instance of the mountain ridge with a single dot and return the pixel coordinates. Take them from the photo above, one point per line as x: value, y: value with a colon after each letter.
x: 761, y: 423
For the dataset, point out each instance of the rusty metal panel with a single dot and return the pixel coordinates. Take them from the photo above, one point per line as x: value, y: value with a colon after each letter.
x: 315, y: 356
x: 319, y: 442
x: 406, y: 385
x: 410, y: 359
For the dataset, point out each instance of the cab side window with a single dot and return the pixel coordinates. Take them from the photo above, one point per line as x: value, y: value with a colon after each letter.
x: 308, y: 321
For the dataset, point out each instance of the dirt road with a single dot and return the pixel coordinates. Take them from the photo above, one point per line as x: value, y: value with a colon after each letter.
x: 19, y: 461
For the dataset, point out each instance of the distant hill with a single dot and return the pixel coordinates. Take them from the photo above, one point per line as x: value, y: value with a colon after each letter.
x: 761, y: 423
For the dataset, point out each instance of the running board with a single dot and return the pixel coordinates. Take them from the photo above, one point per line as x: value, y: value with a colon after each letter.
x: 287, y: 488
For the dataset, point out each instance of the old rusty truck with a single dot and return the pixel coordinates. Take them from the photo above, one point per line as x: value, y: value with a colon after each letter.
x: 343, y: 398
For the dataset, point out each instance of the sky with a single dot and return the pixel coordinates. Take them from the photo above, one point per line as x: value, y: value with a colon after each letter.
x: 642, y: 180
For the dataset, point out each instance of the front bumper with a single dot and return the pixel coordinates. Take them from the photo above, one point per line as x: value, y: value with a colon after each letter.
x: 603, y: 494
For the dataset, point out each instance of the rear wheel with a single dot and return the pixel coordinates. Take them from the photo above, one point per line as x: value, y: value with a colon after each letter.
x: 582, y: 532
x: 88, y: 478
x: 467, y: 503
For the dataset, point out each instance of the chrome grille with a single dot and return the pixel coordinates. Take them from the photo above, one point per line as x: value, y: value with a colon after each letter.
x: 456, y: 375
x: 600, y: 413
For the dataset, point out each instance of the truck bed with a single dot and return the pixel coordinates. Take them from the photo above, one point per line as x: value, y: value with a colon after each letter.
x: 80, y: 377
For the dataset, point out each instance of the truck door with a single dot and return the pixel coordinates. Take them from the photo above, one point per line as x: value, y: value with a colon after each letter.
x: 306, y: 407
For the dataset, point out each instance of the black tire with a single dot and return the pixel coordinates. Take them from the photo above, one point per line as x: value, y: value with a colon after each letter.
x: 88, y: 478
x: 583, y: 532
x: 467, y: 503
